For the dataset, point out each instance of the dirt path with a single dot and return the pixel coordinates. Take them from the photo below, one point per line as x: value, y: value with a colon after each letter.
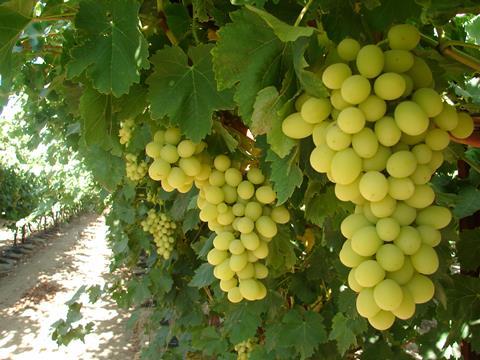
x: 32, y: 297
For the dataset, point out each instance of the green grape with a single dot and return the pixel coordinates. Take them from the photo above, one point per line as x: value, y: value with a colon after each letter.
x: 250, y: 289
x: 191, y: 166
x: 208, y: 213
x: 352, y: 282
x: 229, y: 194
x: 266, y: 226
x: 370, y: 61
x: 245, y: 225
x: 429, y: 100
x: 153, y: 149
x: 383, y: 208
x: 169, y: 153
x: 238, y: 262
x: 397, y: 61
x: 315, y: 110
x: 253, y: 210
x: 365, y: 143
x: 387, y: 131
x: 238, y: 209
x: 159, y: 169
x: 410, y: 118
x: 369, y: 273
x: 430, y: 236
x: 373, y: 186
x: 336, y: 139
x: 425, y: 260
x: 334, y: 75
x: 301, y: 100
x: 214, y: 194
x: 368, y: 213
x: 216, y: 257
x: 236, y: 247
x: 437, y: 160
x: 172, y: 136
x: 373, y: 107
x: 177, y: 177
x: 261, y: 271
x: 265, y: 194
x: 408, y: 85
x: 186, y: 148
x: 222, y: 240
x: 421, y: 288
x: 355, y: 89
x: 387, y: 228
x: 348, y: 192
x: 377, y: 162
x: 420, y: 73
x: 295, y: 127
x: 422, y: 197
x: 401, y: 164
x: 338, y: 101
x: 346, y: 166
x: 321, y: 158
x: 465, y: 126
x: 348, y: 49
x: 447, y: 119
x: 403, y: 37
x: 247, y: 272
x: 409, y: 240
x: 250, y: 240
x: 352, y: 223
x: 389, y: 86
x: 233, y: 177
x: 221, y: 163
x: 255, y: 176
x: 226, y: 285
x: 423, y: 153
x: 404, y: 274
x: 365, y: 241
x: 234, y: 295
x: 390, y: 257
x: 261, y: 252
x: 421, y: 175
x: 388, y: 295
x: 351, y: 120
x: 404, y: 214
x: 400, y: 188
x: 407, y: 307
x: 365, y: 303
x: 216, y: 178
x: 245, y: 190
x: 383, y: 320
x: 437, y: 139
x: 319, y: 133
x: 348, y: 257
x: 280, y: 215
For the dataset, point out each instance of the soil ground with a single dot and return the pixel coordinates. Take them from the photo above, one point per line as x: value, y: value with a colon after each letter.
x: 33, y: 296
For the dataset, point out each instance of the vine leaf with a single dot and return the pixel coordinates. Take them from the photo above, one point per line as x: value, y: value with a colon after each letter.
x: 203, y: 276
x: 187, y: 94
x: 345, y: 331
x: 243, y: 321
x: 95, y: 111
x: 113, y: 49
x: 285, y: 175
x: 281, y: 253
x: 468, y: 249
x: 247, y: 56
x: 467, y: 202
x: 284, y: 32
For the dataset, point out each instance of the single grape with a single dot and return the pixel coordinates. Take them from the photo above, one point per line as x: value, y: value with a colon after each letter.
x: 334, y: 75
x: 370, y: 61
x: 403, y: 37
x: 348, y: 49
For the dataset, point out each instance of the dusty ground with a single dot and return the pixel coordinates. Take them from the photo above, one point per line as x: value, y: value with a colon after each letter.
x: 32, y: 297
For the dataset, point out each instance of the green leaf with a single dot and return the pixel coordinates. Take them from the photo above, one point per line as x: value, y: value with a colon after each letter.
x: 468, y: 249
x: 107, y: 169
x: 12, y: 23
x: 209, y: 341
x: 303, y: 330
x: 203, y: 276
x: 187, y: 94
x: 281, y: 256
x: 340, y: 20
x: 95, y: 111
x: 285, y: 175
x: 24, y: 7
x: 181, y: 203
x: 467, y: 202
x: 132, y: 104
x: 161, y: 281
x: 390, y: 12
x: 345, y: 331
x: 243, y: 321
x: 284, y: 31
x: 463, y: 299
x: 321, y: 203
x: 248, y: 56
x: 228, y: 139
x: 112, y: 45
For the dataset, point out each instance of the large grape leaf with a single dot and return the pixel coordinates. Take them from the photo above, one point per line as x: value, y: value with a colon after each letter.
x: 345, y: 331
x: 242, y: 322
x: 186, y: 93
x: 95, y: 111
x: 113, y: 50
x: 248, y: 56
x: 468, y: 249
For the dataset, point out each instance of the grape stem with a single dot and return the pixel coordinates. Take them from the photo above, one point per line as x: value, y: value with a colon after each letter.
x: 465, y: 159
x: 163, y: 23
x: 302, y: 13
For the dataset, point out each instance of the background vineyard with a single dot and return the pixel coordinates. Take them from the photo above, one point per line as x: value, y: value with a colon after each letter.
x: 226, y: 73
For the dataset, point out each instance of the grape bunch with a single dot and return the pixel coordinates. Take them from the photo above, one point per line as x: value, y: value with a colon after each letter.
x: 177, y: 162
x: 125, y: 132
x: 379, y: 137
x: 154, y: 197
x: 240, y: 210
x: 136, y: 171
x: 243, y: 349
x: 163, y: 230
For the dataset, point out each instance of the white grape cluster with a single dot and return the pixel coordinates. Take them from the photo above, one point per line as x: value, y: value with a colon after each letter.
x: 154, y: 198
x: 241, y: 210
x: 379, y: 137
x: 125, y: 132
x: 136, y: 171
x: 163, y: 230
x: 177, y: 162
x: 243, y: 349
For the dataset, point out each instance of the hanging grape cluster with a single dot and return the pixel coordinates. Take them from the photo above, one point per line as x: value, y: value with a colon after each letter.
x: 136, y: 170
x: 379, y: 137
x: 125, y: 132
x: 162, y: 229
x: 177, y: 162
x: 243, y: 349
x: 240, y: 209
